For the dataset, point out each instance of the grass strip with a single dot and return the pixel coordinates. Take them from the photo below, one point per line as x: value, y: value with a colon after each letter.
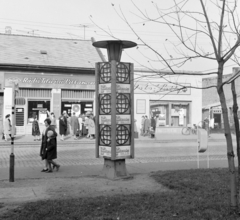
x: 193, y: 194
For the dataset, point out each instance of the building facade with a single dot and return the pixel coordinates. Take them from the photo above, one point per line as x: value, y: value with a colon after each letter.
x: 53, y: 75
x: 211, y: 108
x: 174, y: 98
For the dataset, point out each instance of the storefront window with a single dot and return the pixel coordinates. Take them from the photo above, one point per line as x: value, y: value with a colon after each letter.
x: 179, y: 115
x: 77, y: 107
x: 39, y: 109
x: 169, y: 113
x: 161, y: 112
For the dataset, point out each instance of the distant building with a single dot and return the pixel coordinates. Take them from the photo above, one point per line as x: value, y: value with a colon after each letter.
x: 211, y: 108
x: 53, y: 74
x: 173, y: 98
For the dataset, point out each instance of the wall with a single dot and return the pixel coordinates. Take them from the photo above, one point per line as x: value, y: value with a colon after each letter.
x: 168, y: 91
x: 210, y: 96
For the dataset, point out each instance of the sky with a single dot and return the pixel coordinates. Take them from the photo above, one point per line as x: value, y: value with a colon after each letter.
x: 103, y: 20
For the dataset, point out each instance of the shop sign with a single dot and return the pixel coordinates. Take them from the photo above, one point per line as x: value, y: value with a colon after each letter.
x: 121, y: 151
x: 120, y: 119
x: 162, y: 88
x: 121, y: 88
x: 50, y: 81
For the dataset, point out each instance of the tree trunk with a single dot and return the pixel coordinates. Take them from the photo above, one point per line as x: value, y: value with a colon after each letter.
x: 230, y: 153
x: 236, y: 122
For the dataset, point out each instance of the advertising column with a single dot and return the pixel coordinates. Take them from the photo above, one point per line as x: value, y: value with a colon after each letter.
x: 114, y: 110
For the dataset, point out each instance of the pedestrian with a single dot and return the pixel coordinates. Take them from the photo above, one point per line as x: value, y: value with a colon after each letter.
x: 142, y: 125
x: 86, y: 124
x: 7, y: 127
x: 74, y: 125
x: 68, y: 119
x: 84, y: 128
x: 35, y: 129
x: 147, y: 124
x: 80, y: 125
x: 91, y: 127
x: 53, y: 120
x: 62, y: 126
x: 153, y: 126
x: 51, y: 151
x: 43, y: 149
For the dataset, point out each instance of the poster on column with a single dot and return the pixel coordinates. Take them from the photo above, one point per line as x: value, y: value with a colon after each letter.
x: 120, y: 119
x: 121, y: 151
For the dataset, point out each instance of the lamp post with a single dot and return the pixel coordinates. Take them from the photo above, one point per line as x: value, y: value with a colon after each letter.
x: 114, y: 109
x: 12, y: 156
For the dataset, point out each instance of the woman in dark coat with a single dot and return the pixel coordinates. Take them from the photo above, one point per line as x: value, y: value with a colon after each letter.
x: 43, y: 149
x: 62, y: 126
x: 35, y: 130
x: 51, y: 150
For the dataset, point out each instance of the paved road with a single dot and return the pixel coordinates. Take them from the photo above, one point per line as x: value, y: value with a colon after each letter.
x: 84, y: 154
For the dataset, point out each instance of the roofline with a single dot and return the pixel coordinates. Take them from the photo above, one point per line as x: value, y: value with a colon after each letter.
x: 98, y: 50
x: 45, y: 37
x: 39, y: 68
x: 169, y: 72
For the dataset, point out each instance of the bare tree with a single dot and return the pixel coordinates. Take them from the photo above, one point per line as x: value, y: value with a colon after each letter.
x: 218, y: 23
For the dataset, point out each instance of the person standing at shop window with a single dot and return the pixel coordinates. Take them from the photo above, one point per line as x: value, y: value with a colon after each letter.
x: 68, y: 119
x: 91, y: 127
x: 80, y: 125
x: 142, y: 125
x: 74, y: 125
x: 35, y: 129
x: 62, y: 126
x: 86, y: 124
x: 147, y: 125
x: 52, y: 117
x: 7, y: 127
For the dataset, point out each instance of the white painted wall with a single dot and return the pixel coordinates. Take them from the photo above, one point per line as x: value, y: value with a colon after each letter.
x: 7, y: 100
x: 195, y: 97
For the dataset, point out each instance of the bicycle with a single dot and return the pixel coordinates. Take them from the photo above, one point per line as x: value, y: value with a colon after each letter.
x: 187, y: 130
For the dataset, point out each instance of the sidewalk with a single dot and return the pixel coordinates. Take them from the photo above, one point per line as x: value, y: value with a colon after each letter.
x: 164, y: 138
x: 30, y: 183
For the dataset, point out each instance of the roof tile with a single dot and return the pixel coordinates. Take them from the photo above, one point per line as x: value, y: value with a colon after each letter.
x: 18, y: 49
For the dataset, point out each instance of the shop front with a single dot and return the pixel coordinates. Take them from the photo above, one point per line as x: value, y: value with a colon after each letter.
x: 172, y: 100
x: 40, y: 93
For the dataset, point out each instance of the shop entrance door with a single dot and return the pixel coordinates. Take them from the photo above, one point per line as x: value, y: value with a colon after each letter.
x: 217, y: 121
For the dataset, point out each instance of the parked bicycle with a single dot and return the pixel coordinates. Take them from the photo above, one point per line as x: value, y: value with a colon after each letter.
x: 187, y: 130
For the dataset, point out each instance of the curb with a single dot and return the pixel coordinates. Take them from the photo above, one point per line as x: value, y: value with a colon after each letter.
x: 20, y: 144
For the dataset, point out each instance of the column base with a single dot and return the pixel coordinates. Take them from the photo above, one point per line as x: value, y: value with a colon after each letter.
x: 115, y: 169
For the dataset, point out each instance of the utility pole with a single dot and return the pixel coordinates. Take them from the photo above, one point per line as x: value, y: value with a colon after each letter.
x: 12, y: 156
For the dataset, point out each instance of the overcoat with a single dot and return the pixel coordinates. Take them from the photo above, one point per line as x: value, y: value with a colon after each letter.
x: 147, y: 124
x: 74, y: 124
x: 35, y: 128
x: 91, y: 126
x: 51, y: 149
x: 153, y: 123
x: 44, y: 142
x: 62, y: 125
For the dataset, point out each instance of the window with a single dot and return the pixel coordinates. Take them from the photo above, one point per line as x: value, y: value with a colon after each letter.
x: 39, y: 109
x: 77, y: 107
x: 161, y: 111
x: 179, y: 115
